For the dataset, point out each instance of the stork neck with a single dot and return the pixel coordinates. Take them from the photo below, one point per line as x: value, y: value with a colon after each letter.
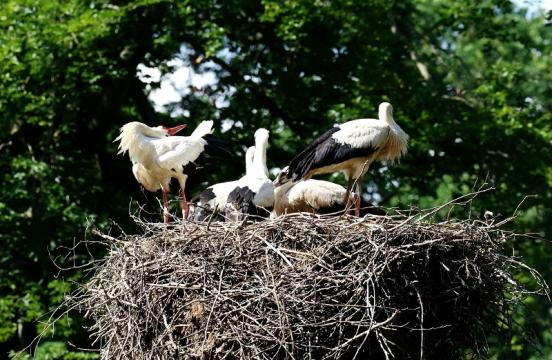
x: 249, y: 161
x: 280, y: 192
x: 259, y: 158
x: 248, y: 166
x: 284, y: 188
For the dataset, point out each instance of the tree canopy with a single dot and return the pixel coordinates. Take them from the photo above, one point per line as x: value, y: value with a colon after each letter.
x: 469, y: 81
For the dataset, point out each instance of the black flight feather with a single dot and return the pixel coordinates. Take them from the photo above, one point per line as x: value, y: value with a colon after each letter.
x: 324, y: 151
x: 205, y: 196
x: 301, y: 163
x: 216, y: 147
x: 241, y: 199
x: 204, y: 211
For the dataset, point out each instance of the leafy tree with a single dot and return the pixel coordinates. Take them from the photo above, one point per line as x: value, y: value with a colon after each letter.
x: 468, y: 81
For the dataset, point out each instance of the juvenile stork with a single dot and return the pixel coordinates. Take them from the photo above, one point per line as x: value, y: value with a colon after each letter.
x: 254, y: 193
x: 213, y: 199
x: 350, y: 148
x: 314, y: 196
x: 157, y: 156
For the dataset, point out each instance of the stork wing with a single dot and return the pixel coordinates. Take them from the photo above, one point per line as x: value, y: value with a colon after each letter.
x: 302, y: 162
x: 174, y: 152
x: 216, y: 194
x: 357, y: 138
x: 362, y: 133
x: 251, y: 193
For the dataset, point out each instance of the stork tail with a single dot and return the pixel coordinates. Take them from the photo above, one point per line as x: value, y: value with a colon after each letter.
x: 204, y: 128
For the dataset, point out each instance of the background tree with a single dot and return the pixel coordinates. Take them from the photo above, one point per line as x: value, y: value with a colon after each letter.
x: 469, y: 82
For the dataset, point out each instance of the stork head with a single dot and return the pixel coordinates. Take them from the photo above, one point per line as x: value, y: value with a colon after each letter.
x: 131, y: 132
x: 283, y: 177
x: 385, y: 112
x: 261, y: 135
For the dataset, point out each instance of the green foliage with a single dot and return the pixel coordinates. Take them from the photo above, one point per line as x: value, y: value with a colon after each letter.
x: 470, y: 83
x: 7, y: 318
x: 55, y: 350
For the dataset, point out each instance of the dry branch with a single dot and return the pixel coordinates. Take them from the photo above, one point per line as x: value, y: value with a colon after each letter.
x: 301, y: 287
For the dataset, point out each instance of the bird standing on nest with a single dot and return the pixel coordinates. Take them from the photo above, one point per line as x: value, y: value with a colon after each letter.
x: 350, y: 148
x: 157, y: 156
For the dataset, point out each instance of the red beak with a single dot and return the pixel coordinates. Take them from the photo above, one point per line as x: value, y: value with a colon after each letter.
x: 174, y: 130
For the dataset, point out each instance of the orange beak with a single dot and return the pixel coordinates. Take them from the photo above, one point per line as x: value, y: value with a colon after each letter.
x: 174, y: 130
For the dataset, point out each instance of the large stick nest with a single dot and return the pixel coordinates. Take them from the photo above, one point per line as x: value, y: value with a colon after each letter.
x: 301, y: 287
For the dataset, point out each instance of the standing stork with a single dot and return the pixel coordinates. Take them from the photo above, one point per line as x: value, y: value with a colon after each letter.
x: 157, y: 156
x: 213, y: 199
x: 350, y: 148
x: 314, y: 196
x: 254, y: 193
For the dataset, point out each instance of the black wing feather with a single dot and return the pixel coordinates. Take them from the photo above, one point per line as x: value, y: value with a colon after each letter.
x: 241, y: 199
x: 301, y: 164
x: 216, y: 147
x: 325, y: 151
x: 205, y: 196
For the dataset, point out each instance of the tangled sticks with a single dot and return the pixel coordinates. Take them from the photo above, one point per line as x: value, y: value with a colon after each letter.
x: 301, y: 287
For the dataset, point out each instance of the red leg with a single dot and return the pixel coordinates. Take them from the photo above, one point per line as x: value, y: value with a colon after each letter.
x: 358, y: 195
x: 165, y: 207
x: 185, y: 208
x: 357, y: 205
x: 348, y: 192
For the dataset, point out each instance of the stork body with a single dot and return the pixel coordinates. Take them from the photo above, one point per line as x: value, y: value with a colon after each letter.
x: 314, y: 196
x: 214, y: 198
x: 254, y: 193
x: 350, y: 148
x: 158, y: 157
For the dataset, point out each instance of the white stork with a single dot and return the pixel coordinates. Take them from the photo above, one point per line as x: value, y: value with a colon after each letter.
x: 254, y: 193
x: 350, y: 148
x: 314, y: 196
x: 213, y: 199
x: 157, y: 156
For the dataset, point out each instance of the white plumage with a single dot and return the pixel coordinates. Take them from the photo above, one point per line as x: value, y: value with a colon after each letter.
x: 315, y: 196
x: 158, y: 157
x: 213, y: 199
x: 254, y: 191
x: 145, y: 178
x: 308, y: 196
x: 351, y: 148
